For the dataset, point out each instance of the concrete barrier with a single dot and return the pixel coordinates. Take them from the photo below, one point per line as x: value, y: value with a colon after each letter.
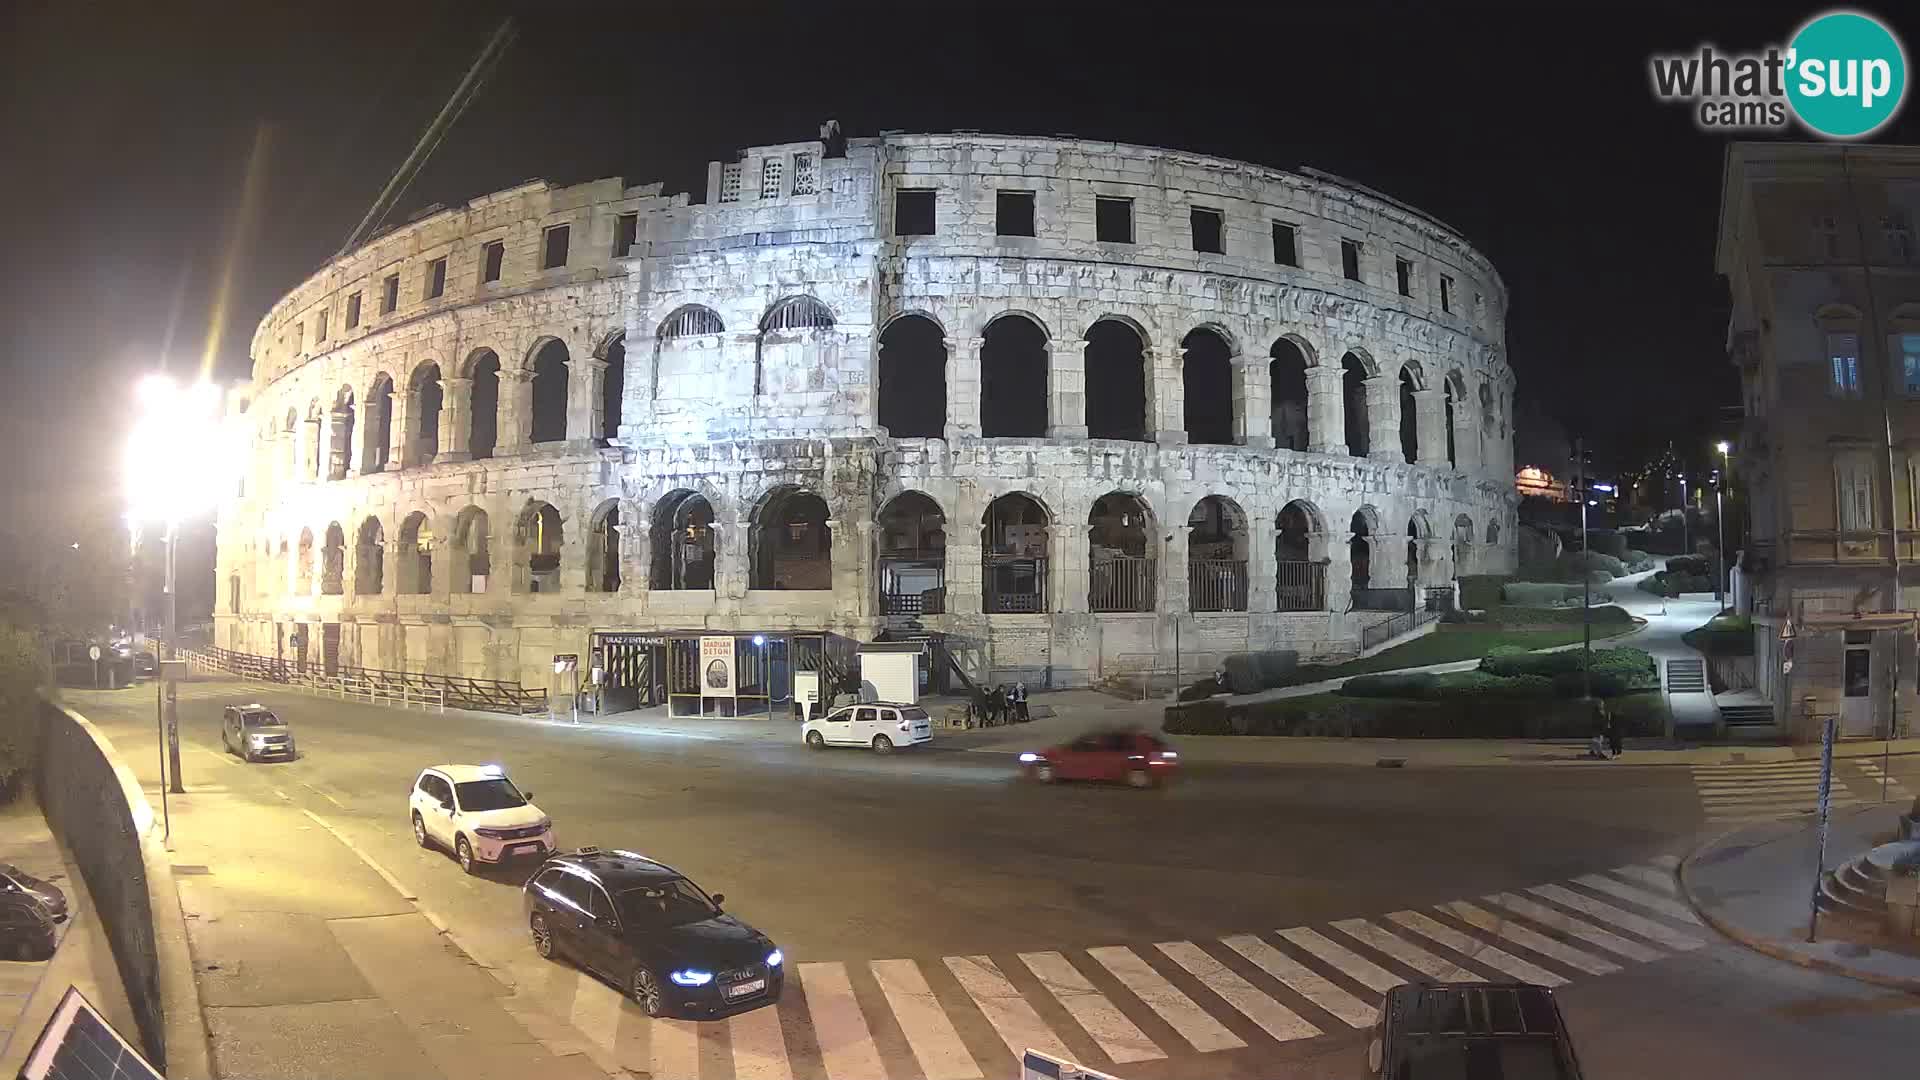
x: 94, y: 804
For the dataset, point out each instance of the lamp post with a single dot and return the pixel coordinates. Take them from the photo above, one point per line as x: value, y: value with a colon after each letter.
x: 1720, y: 549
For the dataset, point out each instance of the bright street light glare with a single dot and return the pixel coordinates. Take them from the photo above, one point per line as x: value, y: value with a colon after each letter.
x: 1723, y: 447
x: 179, y: 455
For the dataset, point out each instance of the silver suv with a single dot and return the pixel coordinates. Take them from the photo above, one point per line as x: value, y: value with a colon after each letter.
x: 254, y: 732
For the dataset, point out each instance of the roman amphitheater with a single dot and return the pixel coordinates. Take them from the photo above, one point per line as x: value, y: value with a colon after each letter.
x: 1064, y: 410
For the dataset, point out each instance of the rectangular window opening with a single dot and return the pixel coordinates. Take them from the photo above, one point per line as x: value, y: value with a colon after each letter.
x: 1350, y: 259
x: 390, y: 294
x: 913, y: 213
x: 553, y: 252
x: 1446, y: 293
x: 1013, y: 213
x: 320, y: 328
x: 1910, y: 363
x: 437, y: 278
x: 1207, y: 228
x: 1286, y: 245
x: 492, y: 257
x: 353, y: 311
x: 804, y: 175
x: 1843, y: 365
x: 771, y: 171
x: 1403, y: 276
x: 625, y: 234
x: 1113, y: 220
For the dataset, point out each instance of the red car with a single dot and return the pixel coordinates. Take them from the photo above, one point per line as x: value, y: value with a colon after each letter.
x: 1136, y: 757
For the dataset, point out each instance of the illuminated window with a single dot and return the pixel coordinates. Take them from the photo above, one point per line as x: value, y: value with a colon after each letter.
x: 1843, y: 365
x: 1910, y: 363
x: 1854, y: 479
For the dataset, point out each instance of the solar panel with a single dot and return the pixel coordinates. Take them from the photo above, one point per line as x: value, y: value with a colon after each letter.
x: 79, y: 1044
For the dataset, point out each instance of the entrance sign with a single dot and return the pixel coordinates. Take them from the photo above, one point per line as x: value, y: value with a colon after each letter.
x: 565, y: 662
x: 716, y: 667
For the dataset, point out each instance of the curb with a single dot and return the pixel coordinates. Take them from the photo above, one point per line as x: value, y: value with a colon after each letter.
x: 1767, y: 946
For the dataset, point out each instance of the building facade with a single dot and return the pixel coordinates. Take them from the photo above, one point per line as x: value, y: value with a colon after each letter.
x: 1072, y: 405
x: 1817, y: 244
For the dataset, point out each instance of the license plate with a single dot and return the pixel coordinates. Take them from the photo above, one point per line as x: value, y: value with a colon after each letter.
x: 751, y: 986
x: 524, y: 849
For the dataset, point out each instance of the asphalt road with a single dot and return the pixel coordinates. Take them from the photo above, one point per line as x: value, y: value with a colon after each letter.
x: 845, y: 858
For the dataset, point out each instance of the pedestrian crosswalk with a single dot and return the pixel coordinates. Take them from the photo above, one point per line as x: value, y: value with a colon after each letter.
x: 1114, y: 1006
x: 1763, y: 791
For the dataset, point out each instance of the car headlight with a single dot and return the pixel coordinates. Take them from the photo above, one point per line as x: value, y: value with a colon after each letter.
x: 691, y: 977
x: 1029, y: 758
x: 545, y: 824
x: 776, y: 958
x: 491, y: 833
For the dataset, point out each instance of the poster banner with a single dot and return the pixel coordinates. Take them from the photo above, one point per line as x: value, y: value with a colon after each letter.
x: 716, y: 666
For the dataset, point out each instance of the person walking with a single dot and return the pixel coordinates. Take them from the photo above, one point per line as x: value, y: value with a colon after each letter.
x: 1612, y: 729
x: 1020, y: 702
x: 1599, y: 745
x: 997, y: 705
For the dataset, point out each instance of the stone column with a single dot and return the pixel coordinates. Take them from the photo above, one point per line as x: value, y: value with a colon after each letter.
x: 515, y: 411
x: 730, y: 572
x: 400, y: 454
x: 585, y: 375
x: 309, y: 432
x: 631, y: 539
x: 1466, y: 437
x: 1383, y: 419
x: 965, y: 587
x: 1172, y: 571
x: 963, y: 388
x: 1067, y: 390
x: 1166, y: 396
x: 287, y: 456
x: 1430, y: 424
x: 1326, y: 411
x: 1067, y: 568
x: 456, y: 419
x: 1252, y: 403
x: 852, y: 565
x: 340, y: 436
x: 1262, y: 596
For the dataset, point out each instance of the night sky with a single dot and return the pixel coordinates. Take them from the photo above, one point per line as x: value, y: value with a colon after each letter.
x: 1531, y: 129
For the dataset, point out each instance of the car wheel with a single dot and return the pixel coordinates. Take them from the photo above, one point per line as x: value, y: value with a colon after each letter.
x: 882, y: 744
x: 420, y: 832
x: 542, y: 936
x: 815, y: 741
x: 1139, y: 778
x: 463, y: 851
x: 646, y: 992
x: 1043, y: 772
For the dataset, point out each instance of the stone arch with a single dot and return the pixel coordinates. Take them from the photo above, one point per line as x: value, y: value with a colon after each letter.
x: 316, y: 441
x: 1206, y: 378
x: 689, y: 320
x: 1287, y: 364
x: 791, y: 319
x: 547, y: 418
x: 470, y: 548
x: 483, y: 396
x: 340, y: 440
x: 603, y: 547
x: 1015, y: 541
x: 1419, y: 531
x: 1014, y: 377
x: 377, y: 443
x: 791, y: 541
x: 1463, y: 537
x: 910, y: 541
x: 427, y: 399
x: 1117, y: 377
x: 370, y: 558
x: 540, y: 537
x: 1217, y: 549
x: 303, y: 568
x: 613, y: 384
x: 333, y: 561
x: 1364, y: 527
x: 1355, y: 370
x: 682, y: 542
x: 912, y: 394
x: 1409, y: 413
x: 1122, y: 545
x: 1300, y: 557
x: 1493, y: 533
x: 1489, y: 411
x: 413, y: 564
x: 1455, y: 386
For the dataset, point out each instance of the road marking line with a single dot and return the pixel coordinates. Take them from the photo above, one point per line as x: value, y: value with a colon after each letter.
x: 405, y: 893
x: 1275, y: 1019
x: 1118, y: 1036
x: 1476, y: 950
x: 845, y: 1043
x: 1011, y: 1016
x: 1351, y: 964
x: 759, y: 1049
x: 1415, y: 957
x: 1651, y: 901
x: 1671, y: 862
x: 1554, y: 919
x: 676, y: 1049
x: 595, y: 1012
x: 1507, y: 930
x: 935, y: 1043
x: 1194, y: 1024
x: 1625, y: 920
x: 1303, y: 980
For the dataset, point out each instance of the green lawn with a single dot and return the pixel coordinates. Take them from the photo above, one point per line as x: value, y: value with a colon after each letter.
x: 1722, y: 635
x: 1445, y: 646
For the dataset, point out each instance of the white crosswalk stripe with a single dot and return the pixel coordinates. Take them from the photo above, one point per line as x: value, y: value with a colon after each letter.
x: 1117, y: 1036
x: 1553, y: 919
x: 676, y: 1048
x: 1013, y: 1019
x: 1415, y: 957
x: 1350, y: 963
x: 1481, y: 953
x: 596, y: 1011
x: 1303, y: 980
x: 1179, y: 1011
x: 1652, y: 902
x: 1884, y: 782
x: 846, y: 1044
x: 1625, y: 920
x: 1763, y: 791
x: 1507, y: 930
x: 936, y: 1045
x: 1668, y: 862
x: 760, y: 1050
x: 1655, y: 878
x: 1275, y: 1019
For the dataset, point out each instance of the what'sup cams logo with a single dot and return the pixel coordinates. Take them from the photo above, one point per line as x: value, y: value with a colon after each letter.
x: 1843, y: 75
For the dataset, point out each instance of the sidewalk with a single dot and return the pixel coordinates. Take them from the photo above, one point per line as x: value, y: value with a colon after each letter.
x: 1755, y: 885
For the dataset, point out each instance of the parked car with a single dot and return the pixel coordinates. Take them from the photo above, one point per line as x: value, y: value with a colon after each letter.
x: 653, y: 932
x: 14, y: 880
x: 1512, y: 1031
x: 475, y: 812
x: 26, y: 930
x: 1139, y: 759
x: 255, y: 732
x: 882, y: 725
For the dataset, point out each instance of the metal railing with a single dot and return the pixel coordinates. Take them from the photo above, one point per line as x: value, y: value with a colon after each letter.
x: 1014, y: 585
x: 1402, y: 623
x: 1120, y: 583
x: 1400, y: 599
x: 1217, y: 584
x: 407, y: 689
x: 1299, y: 585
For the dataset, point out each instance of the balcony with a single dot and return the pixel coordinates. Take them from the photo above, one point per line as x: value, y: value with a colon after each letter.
x: 1217, y: 585
x: 1120, y: 583
x: 1014, y: 585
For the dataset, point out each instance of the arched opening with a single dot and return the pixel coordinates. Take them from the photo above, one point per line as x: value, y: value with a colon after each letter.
x: 678, y: 362
x: 1206, y: 379
x: 483, y: 433
x: 613, y: 387
x: 1489, y: 418
x: 603, y: 549
x: 426, y: 404
x: 303, y: 566
x: 1120, y: 550
x: 1353, y: 396
x: 1116, y: 381
x: 1300, y: 560
x: 912, y: 556
x: 340, y: 445
x: 414, y: 566
x: 539, y: 537
x: 785, y: 331
x: 1409, y: 419
x: 333, y: 561
x: 549, y: 394
x: 378, y: 446
x: 682, y: 543
x: 913, y: 378
x: 370, y: 559
x: 1360, y: 552
x: 1453, y: 455
x: 1493, y: 533
x: 1462, y: 544
x: 1014, y: 533
x: 792, y: 545
x: 471, y: 552
x: 316, y: 443
x: 1287, y: 379
x: 1013, y: 379
x: 1216, y: 556
x: 1417, y: 532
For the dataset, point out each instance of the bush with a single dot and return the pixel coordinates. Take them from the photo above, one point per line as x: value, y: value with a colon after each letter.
x: 1416, y: 685
x: 1690, y: 564
x: 1615, y: 671
x: 1537, y: 593
x: 1197, y: 718
x: 1482, y: 590
x: 23, y: 673
x: 1608, y: 542
x: 1638, y: 561
x: 1574, y: 564
x: 1470, y: 716
x: 1603, y: 614
x: 1201, y: 690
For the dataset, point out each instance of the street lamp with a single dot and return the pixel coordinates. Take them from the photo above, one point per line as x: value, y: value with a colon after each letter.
x: 1720, y: 550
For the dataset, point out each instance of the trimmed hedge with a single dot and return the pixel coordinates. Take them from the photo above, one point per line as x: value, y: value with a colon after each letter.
x: 1638, y: 561
x: 1673, y: 583
x: 1482, y: 590
x: 1475, y: 717
x: 1690, y: 564
x: 1574, y: 564
x: 1614, y: 671
x: 1542, y: 617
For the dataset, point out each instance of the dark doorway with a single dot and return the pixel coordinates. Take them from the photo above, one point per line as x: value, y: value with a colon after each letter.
x: 1116, y: 379
x: 1013, y: 379
x: 913, y: 378
x: 1207, y: 381
x: 549, y: 394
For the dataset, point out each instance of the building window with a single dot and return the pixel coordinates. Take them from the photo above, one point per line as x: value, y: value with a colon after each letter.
x: 1843, y: 365
x: 1286, y: 245
x: 1898, y: 227
x: 1826, y: 237
x: 625, y: 234
x: 1207, y: 227
x: 1910, y: 364
x: 1446, y: 293
x: 553, y: 248
x: 1855, y: 481
x: 806, y: 178
x: 353, y: 310
x: 491, y: 257
x: 1350, y: 259
x: 1403, y: 276
x: 730, y: 183
x: 299, y: 336
x: 913, y: 212
x: 1013, y: 213
x: 320, y: 328
x: 437, y: 278
x: 770, y: 177
x: 1113, y: 220
x: 390, y: 294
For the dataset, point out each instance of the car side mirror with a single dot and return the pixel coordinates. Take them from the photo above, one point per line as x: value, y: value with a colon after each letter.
x: 446, y: 804
x: 527, y: 795
x: 719, y: 898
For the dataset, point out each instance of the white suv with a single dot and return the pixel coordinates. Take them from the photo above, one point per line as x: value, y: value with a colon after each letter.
x: 475, y: 812
x: 882, y: 725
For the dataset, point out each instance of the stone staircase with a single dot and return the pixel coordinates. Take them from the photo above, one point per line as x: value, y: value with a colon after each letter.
x: 1686, y: 676
x: 1857, y: 888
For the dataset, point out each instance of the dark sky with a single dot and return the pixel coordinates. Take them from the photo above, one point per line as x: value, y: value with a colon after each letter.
x: 1530, y: 128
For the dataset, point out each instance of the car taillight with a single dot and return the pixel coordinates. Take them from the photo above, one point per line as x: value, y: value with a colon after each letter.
x: 903, y: 725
